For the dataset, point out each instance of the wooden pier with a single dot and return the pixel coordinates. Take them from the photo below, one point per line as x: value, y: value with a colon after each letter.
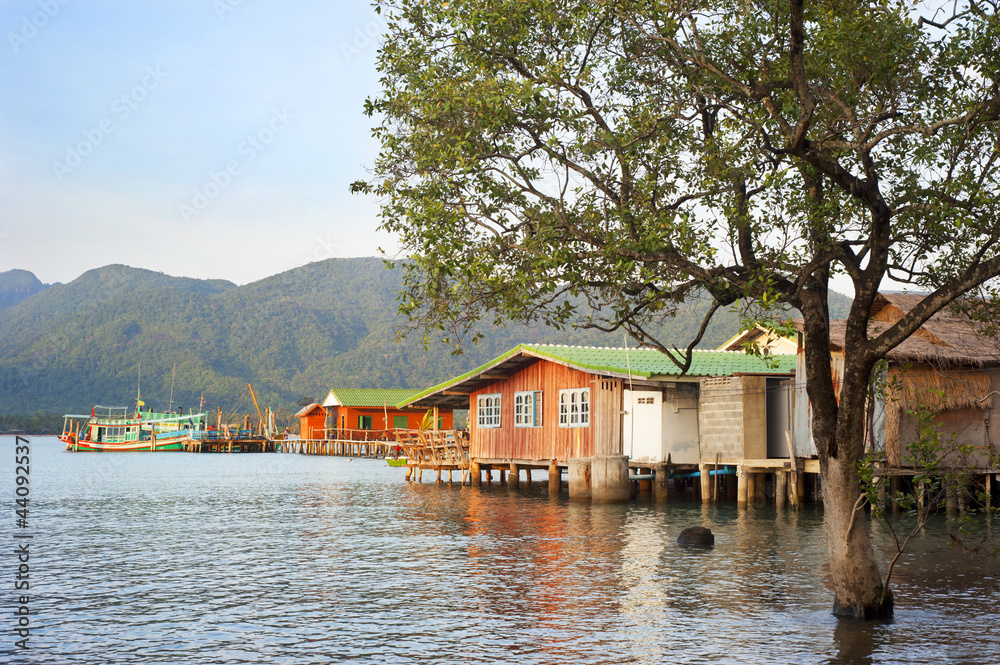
x: 434, y: 450
x: 232, y: 445
x: 338, y: 447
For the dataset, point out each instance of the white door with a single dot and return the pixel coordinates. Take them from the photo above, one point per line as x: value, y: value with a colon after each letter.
x: 642, y: 425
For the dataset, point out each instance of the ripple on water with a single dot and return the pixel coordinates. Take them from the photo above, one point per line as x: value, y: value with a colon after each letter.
x: 291, y: 559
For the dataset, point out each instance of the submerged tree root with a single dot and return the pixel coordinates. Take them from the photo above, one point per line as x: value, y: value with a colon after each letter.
x: 879, y: 611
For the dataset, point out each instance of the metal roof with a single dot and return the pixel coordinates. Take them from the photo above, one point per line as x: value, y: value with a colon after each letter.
x: 361, y: 397
x: 304, y: 411
x: 640, y: 363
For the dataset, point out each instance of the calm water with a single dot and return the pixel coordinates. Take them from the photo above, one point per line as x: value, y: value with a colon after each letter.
x: 178, y: 558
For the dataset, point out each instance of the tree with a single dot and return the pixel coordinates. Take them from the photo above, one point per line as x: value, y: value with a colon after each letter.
x: 631, y: 154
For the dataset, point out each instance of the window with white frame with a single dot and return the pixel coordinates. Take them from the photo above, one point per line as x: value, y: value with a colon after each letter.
x: 488, y: 410
x: 574, y: 407
x: 528, y: 409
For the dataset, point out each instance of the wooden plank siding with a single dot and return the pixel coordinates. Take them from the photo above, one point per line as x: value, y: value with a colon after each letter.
x: 346, y: 417
x: 548, y: 442
x: 607, y: 418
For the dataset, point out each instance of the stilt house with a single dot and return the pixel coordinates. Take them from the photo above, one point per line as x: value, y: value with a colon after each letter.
x: 354, y: 412
x: 538, y: 405
x: 947, y: 367
x: 312, y: 422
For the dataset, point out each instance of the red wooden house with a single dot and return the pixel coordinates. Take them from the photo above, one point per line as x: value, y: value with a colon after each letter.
x: 599, y: 409
x: 363, y: 413
x: 312, y: 422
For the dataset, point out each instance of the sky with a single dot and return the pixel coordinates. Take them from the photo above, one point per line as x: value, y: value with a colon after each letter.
x: 200, y: 138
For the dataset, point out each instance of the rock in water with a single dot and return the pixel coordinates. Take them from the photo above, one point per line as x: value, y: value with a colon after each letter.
x: 698, y: 536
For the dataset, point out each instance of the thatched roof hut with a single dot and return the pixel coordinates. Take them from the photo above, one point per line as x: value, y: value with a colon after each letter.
x: 948, y: 365
x: 945, y: 340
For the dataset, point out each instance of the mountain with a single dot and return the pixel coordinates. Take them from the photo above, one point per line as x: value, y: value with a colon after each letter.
x: 17, y: 286
x: 293, y: 335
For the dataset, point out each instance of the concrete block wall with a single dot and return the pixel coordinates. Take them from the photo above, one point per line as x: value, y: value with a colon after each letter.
x: 720, y: 417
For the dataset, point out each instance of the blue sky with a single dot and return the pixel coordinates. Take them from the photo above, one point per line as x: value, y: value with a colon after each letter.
x: 204, y: 138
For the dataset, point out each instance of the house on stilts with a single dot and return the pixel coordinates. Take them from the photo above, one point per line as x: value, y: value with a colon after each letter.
x: 361, y: 422
x: 618, y: 419
x: 949, y: 370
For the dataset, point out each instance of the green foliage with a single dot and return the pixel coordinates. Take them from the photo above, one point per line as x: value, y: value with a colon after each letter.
x: 37, y: 423
x: 631, y: 155
x: 941, y: 473
x: 331, y: 323
x: 16, y: 286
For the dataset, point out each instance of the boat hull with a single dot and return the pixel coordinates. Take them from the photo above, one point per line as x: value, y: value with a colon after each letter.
x: 162, y: 445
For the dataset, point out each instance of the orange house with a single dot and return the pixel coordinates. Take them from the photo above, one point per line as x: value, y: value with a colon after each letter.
x: 312, y: 422
x: 370, y: 412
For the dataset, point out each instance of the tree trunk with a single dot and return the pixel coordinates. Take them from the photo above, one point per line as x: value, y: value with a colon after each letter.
x: 857, y: 582
x: 838, y: 432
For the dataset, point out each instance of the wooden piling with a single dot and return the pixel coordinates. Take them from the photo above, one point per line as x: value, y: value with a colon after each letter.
x: 515, y: 475
x: 742, y: 487
x: 706, y: 480
x: 780, y: 489
x: 555, y: 478
x: 796, y: 489
x: 715, y: 479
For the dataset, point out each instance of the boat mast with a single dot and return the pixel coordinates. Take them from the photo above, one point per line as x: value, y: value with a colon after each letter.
x: 171, y: 404
x: 138, y: 395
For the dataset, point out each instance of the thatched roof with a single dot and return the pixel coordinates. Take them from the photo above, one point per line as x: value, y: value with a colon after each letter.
x: 946, y: 339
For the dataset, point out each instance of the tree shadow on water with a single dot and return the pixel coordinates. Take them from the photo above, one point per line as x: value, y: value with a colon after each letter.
x: 856, y: 641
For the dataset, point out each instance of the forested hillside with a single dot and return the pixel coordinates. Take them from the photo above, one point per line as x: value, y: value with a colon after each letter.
x: 17, y: 286
x: 293, y: 335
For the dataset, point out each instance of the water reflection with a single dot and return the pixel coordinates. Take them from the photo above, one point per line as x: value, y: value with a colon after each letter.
x: 190, y: 559
x: 855, y: 641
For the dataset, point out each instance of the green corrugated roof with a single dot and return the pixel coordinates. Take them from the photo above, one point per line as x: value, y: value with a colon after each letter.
x: 373, y: 396
x: 644, y: 363
x: 650, y: 362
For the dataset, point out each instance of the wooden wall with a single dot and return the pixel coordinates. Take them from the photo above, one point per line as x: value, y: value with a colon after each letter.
x: 549, y: 441
x: 311, y: 425
x: 802, y: 411
x: 378, y: 414
x: 606, y: 394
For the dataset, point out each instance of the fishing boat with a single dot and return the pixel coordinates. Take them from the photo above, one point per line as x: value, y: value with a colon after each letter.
x: 112, y: 428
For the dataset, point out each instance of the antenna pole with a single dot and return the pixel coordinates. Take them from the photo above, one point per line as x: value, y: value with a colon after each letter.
x: 171, y: 388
